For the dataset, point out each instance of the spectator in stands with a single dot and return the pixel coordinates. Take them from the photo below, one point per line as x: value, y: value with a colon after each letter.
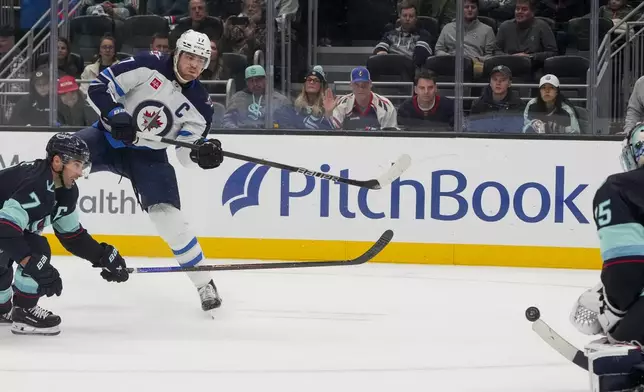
x: 247, y: 107
x: 117, y: 9
x: 197, y: 20
x: 106, y: 57
x: 479, y: 42
x: 216, y: 69
x: 160, y: 43
x: 246, y: 32
x: 442, y: 10
x: 550, y: 112
x: 66, y: 63
x: 499, y: 109
x: 363, y: 109
x: 408, y: 39
x: 526, y: 36
x: 616, y: 10
x: 33, y: 109
x: 17, y: 67
x: 314, y: 106
x: 72, y: 108
x: 501, y: 10
x: 635, y: 110
x: 561, y: 11
x: 427, y: 109
x: 167, y: 7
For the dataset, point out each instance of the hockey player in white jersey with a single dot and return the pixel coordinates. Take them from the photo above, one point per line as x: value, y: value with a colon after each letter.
x: 158, y: 94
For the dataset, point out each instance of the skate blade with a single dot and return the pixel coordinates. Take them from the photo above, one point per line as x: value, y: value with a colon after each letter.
x: 24, y: 329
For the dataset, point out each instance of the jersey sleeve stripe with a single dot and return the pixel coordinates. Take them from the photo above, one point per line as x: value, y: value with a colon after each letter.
x: 13, y: 212
x: 183, y: 132
x: 67, y: 224
x: 108, y: 74
x: 621, y: 240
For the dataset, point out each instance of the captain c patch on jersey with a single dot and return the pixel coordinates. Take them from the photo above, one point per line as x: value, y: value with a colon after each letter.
x: 153, y: 116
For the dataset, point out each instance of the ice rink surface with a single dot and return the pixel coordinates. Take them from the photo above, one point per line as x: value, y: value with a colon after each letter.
x: 375, y: 327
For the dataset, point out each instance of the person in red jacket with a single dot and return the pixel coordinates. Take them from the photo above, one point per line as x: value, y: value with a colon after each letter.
x: 426, y: 109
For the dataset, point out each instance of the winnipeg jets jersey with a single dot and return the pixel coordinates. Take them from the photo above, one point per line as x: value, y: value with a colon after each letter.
x: 146, y: 86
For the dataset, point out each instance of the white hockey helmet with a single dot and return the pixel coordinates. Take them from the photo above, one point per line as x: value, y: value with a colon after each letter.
x: 632, y: 156
x: 192, y: 42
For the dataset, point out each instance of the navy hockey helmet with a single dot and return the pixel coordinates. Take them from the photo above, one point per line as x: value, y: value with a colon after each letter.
x: 70, y: 148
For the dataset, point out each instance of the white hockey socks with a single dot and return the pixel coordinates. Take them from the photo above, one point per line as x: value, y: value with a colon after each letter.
x: 176, y: 233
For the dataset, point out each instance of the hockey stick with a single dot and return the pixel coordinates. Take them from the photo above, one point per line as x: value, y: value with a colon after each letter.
x: 395, y: 171
x: 554, y: 340
x: 372, y: 252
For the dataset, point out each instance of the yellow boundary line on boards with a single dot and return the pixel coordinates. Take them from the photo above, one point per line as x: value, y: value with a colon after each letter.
x: 396, y: 252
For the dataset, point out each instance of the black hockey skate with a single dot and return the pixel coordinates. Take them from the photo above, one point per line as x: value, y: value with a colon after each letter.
x: 34, y: 321
x: 210, y: 298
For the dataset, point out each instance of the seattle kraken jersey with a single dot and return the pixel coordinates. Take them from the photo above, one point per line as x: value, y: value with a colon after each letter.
x: 30, y: 202
x: 618, y: 208
x: 146, y: 86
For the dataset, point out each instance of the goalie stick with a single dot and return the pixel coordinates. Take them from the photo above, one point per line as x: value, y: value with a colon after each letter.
x: 372, y: 252
x: 395, y: 171
x: 554, y: 340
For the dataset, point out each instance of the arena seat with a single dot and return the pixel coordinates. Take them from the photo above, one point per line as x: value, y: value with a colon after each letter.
x: 521, y: 67
x: 569, y: 70
x: 490, y: 22
x: 237, y: 64
x: 138, y: 30
x: 86, y: 32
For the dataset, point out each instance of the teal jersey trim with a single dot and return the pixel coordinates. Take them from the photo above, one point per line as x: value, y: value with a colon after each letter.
x: 14, y: 212
x: 622, y: 240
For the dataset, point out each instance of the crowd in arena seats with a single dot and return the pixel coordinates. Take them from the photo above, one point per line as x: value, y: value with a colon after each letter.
x: 504, y: 41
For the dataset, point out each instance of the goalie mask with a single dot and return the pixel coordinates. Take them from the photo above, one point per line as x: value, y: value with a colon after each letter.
x: 632, y: 156
x: 191, y: 42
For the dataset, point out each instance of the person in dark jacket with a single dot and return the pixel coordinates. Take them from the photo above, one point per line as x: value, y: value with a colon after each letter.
x: 408, y: 40
x: 33, y: 109
x: 72, y: 109
x: 426, y: 109
x: 499, y: 109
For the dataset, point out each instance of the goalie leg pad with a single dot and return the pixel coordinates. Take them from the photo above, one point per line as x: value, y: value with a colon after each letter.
x: 177, y: 234
x: 611, y: 367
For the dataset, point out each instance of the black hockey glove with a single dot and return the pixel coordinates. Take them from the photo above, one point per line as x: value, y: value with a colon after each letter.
x: 114, y: 268
x: 40, y: 269
x: 209, y: 154
x: 121, y: 123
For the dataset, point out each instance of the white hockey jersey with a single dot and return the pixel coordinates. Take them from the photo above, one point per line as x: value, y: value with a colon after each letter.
x: 146, y: 86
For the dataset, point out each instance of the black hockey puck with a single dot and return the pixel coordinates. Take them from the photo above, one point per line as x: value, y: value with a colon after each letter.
x: 532, y: 313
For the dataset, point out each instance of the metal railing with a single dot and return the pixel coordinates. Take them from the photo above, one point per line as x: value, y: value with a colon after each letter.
x: 620, y: 62
x: 226, y: 96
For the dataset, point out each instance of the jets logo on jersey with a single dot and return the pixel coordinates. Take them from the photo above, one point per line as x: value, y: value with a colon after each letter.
x: 153, y: 116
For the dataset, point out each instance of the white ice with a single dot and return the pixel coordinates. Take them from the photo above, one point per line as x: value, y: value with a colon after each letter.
x: 375, y: 327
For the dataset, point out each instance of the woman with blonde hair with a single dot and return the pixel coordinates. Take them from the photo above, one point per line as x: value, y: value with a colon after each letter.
x: 314, y: 106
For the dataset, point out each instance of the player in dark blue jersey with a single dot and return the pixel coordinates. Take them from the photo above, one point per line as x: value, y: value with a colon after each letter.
x: 33, y: 196
x: 615, y: 307
x: 161, y: 95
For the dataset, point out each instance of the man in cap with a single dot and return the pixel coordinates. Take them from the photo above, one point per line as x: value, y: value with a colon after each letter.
x: 363, y: 109
x: 499, y: 109
x: 247, y: 107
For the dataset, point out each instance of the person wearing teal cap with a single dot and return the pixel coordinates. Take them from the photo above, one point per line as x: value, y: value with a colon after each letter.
x: 247, y: 107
